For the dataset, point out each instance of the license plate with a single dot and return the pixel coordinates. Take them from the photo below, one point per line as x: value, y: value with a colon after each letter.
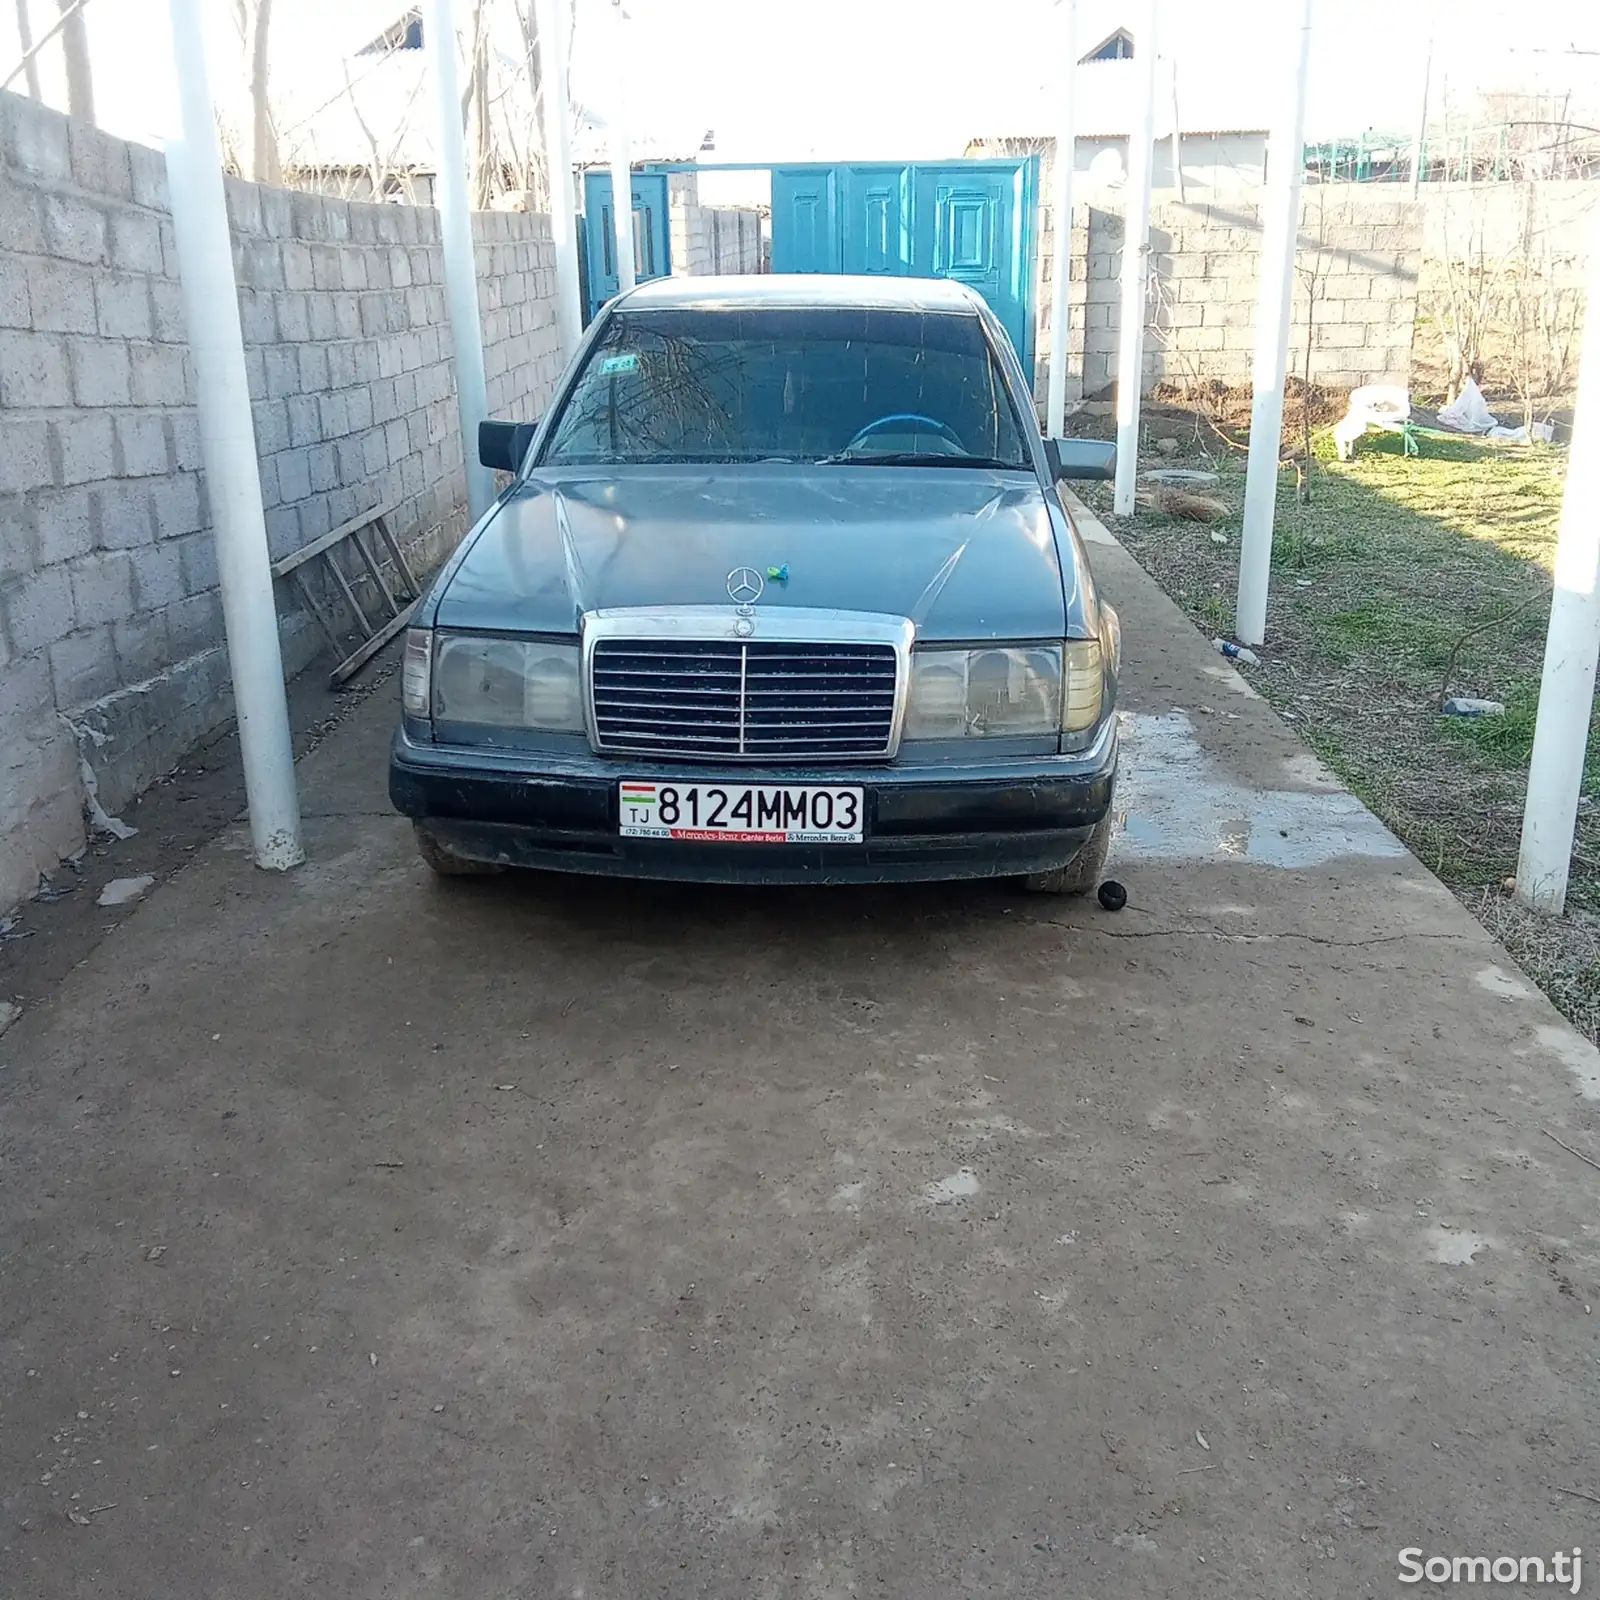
x: 740, y: 813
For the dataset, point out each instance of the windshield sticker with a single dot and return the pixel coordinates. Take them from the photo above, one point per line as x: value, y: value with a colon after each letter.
x: 610, y: 364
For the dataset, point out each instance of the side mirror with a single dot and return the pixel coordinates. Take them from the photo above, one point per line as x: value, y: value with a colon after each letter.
x: 1081, y: 458
x: 502, y: 445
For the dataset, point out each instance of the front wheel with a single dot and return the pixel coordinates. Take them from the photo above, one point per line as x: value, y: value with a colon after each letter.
x: 446, y: 862
x: 1082, y: 873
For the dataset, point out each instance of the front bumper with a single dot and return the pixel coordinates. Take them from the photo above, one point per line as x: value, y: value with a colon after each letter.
x: 921, y: 822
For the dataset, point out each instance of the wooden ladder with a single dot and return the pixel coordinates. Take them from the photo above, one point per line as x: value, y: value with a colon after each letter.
x: 375, y: 635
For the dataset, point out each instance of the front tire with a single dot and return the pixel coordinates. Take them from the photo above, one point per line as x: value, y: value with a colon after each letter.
x: 1082, y: 873
x: 446, y: 862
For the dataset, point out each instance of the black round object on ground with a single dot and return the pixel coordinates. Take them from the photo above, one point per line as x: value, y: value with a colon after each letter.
x: 1112, y: 895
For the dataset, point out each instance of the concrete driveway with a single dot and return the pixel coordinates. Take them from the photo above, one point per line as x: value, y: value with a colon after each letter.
x: 370, y: 1236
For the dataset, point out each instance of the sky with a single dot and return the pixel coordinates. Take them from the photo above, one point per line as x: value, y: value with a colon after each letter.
x: 864, y: 79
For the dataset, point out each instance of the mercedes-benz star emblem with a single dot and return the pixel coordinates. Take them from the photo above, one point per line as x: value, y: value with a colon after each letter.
x: 745, y: 585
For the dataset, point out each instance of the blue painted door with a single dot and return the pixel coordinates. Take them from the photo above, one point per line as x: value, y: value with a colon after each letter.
x: 805, y: 220
x: 652, y: 233
x: 973, y: 226
x: 969, y: 220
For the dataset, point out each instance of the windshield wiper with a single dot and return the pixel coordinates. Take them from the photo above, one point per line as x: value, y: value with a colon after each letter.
x: 912, y: 458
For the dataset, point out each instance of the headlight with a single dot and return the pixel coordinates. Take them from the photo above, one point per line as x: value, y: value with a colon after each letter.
x: 993, y: 693
x: 507, y: 683
x: 1080, y: 705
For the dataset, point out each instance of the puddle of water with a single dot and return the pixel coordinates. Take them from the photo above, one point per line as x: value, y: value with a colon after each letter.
x: 958, y: 1186
x: 1180, y: 807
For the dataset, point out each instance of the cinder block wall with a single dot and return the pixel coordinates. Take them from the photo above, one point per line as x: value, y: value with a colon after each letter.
x: 1357, y: 264
x: 710, y: 239
x: 111, y: 645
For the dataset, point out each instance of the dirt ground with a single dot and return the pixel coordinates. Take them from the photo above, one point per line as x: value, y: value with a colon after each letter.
x: 364, y: 1235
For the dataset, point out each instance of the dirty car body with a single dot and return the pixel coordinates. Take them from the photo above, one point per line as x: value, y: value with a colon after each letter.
x: 782, y: 590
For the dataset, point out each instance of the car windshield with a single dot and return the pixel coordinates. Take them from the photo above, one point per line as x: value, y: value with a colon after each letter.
x: 821, y: 384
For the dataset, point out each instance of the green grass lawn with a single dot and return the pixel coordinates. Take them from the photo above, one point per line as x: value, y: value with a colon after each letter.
x: 1401, y: 582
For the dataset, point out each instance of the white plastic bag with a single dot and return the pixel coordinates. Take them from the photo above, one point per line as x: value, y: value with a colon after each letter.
x: 1468, y: 413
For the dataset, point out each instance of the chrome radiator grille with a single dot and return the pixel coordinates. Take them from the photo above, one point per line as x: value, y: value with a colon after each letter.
x: 774, y: 700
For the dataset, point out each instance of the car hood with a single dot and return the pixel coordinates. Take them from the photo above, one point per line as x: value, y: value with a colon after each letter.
x: 965, y: 555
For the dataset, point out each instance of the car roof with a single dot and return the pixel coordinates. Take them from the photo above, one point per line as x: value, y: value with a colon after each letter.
x: 803, y: 291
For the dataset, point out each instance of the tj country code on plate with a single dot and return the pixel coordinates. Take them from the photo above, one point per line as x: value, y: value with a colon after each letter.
x: 740, y: 813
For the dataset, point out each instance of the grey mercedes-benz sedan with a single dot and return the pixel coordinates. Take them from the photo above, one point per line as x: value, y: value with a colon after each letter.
x: 781, y: 591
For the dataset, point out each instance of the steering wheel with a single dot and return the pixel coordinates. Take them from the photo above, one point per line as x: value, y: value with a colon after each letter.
x: 906, y: 421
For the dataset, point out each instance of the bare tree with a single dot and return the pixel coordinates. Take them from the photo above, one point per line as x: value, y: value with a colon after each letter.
x: 25, y: 40
x: 1538, y: 316
x: 1311, y: 268
x: 75, y: 48
x: 261, y: 163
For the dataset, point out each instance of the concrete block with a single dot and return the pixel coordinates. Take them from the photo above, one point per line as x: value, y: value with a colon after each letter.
x: 75, y: 229
x: 15, y: 311
x: 37, y: 608
x: 183, y: 438
x: 18, y: 541
x: 195, y: 624
x: 124, y: 515
x: 320, y: 314
x: 261, y: 264
x: 294, y: 474
x: 323, y: 465
x: 24, y: 454
x: 294, y: 318
x: 21, y: 217
x: 33, y: 369
x: 86, y: 442
x: 100, y: 372
x: 271, y: 419
x: 313, y: 368
x: 347, y: 315
x: 305, y: 421
x: 141, y: 444
x: 158, y: 575
x: 258, y: 317
x: 83, y: 666
x: 122, y: 306
x: 1388, y: 286
x: 175, y: 502
x: 157, y: 375
x: 36, y: 140
x: 283, y: 531
x: 99, y: 162
x: 64, y: 524
x: 142, y: 644
x: 281, y: 368
x: 61, y: 296
x: 102, y: 586
x: 166, y: 310
x: 397, y: 440
x: 149, y: 174
x: 298, y: 272
x: 197, y: 556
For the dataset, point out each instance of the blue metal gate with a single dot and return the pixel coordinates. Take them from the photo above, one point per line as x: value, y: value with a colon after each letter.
x: 969, y: 220
x: 652, y: 233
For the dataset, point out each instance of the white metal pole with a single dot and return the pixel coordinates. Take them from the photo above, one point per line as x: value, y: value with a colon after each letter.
x: 228, y: 450
x: 621, y: 159
x: 551, y: 16
x: 460, y: 266
x: 1061, y: 205
x: 1566, y: 691
x: 1135, y: 261
x: 1274, y: 303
